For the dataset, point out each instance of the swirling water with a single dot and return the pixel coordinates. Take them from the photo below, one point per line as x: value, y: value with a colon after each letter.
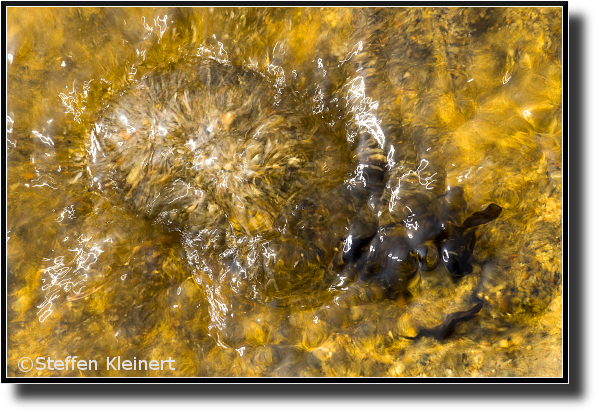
x: 257, y: 192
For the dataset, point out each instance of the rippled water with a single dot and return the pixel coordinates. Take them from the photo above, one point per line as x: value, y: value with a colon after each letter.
x: 288, y: 192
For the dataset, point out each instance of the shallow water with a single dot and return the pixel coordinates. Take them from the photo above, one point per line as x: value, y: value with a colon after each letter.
x: 183, y: 183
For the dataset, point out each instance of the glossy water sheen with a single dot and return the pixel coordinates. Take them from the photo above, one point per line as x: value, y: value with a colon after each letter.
x: 289, y: 192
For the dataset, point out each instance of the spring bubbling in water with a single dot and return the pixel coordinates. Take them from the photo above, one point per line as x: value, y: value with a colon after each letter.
x: 212, y: 152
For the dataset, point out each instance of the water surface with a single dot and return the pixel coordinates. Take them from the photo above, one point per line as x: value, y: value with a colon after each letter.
x: 293, y: 129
